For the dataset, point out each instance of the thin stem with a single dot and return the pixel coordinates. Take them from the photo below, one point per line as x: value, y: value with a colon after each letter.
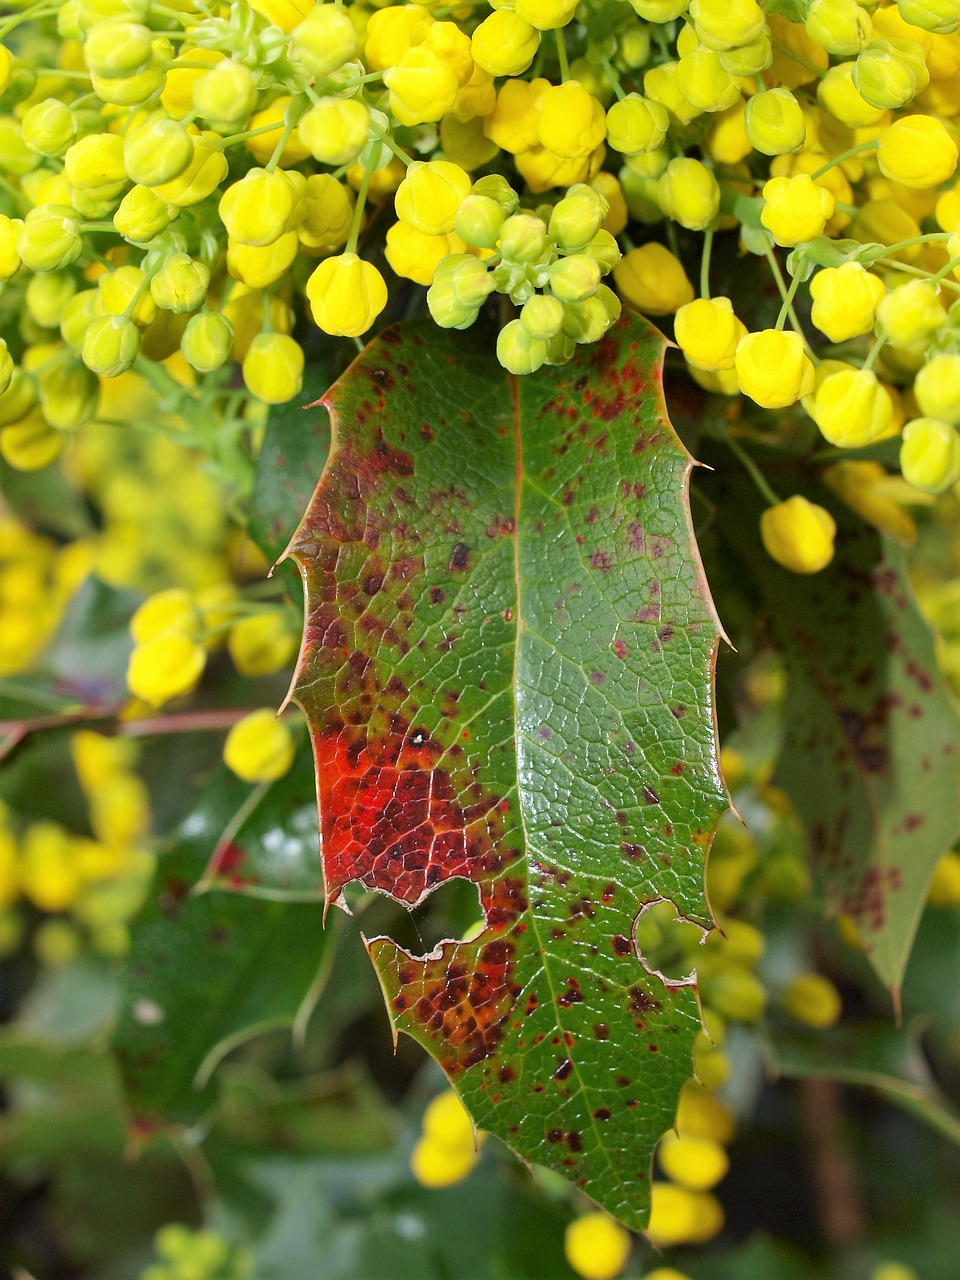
x: 293, y: 113
x: 754, y: 472
x: 382, y: 136
x: 945, y: 271
x: 610, y: 72
x: 931, y: 237
x: 844, y: 155
x: 357, y: 223
x: 250, y: 133
x: 788, y: 302
x: 562, y: 54
x: 705, y: 263
x: 820, y: 72
x: 874, y: 351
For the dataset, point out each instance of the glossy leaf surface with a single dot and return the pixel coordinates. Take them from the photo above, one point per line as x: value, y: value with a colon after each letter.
x: 507, y: 673
x: 869, y: 754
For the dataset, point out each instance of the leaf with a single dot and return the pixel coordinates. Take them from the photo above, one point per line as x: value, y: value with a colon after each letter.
x: 206, y: 972
x: 507, y: 673
x: 872, y: 1055
x: 870, y: 734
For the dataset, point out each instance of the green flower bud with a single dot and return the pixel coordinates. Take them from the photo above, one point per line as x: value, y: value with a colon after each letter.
x: 69, y: 26
x: 518, y: 351
x: 588, y: 321
x: 774, y: 122
x: 69, y: 394
x: 19, y: 397
x: 207, y: 341
x: 704, y: 83
x: 129, y: 91
x: 21, y: 81
x: 325, y: 40
x: 141, y: 216
x: 749, y: 59
x: 576, y: 219
x: 227, y: 94
x: 468, y: 277
x: 575, y: 278
x: 633, y: 49
x: 725, y: 24
x: 116, y: 48
x: 157, y: 152
x: 689, y: 193
x: 49, y: 128
x: 497, y: 188
x: 78, y: 314
x: 6, y: 367
x: 939, y: 16
x: 560, y: 349
x: 49, y: 239
x: 883, y: 77
x: 542, y: 316
x: 448, y: 310
x: 46, y: 297
x: 637, y: 125
x: 605, y: 250
x: 930, y: 455
x: 523, y: 238
x: 181, y: 285
x: 10, y: 229
x: 478, y: 221
x: 110, y: 345
x: 839, y: 26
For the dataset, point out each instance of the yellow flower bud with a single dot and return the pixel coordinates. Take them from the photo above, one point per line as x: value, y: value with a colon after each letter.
x: 851, y: 408
x: 845, y: 300
x: 773, y: 369
x: 596, y: 1247
x: 503, y: 44
x: 202, y: 176
x: 157, y: 152
x: 867, y: 489
x: 46, y: 297
x: 329, y: 212
x: 273, y: 368
x: 284, y: 14
x: 49, y: 874
x: 930, y: 455
x: 118, y: 290
x: 774, y: 122
x: 261, y: 644
x: 799, y: 535
x: 726, y: 24
x: 423, y: 87
x: 69, y: 394
x: 415, y: 256
x: 938, y: 16
x: 679, y: 1216
x: 796, y: 209
x: 95, y: 163
x: 117, y: 48
x: 689, y: 193
x: 430, y: 195
x: 166, y: 666
x: 438, y: 1164
x: 262, y: 266
x: 885, y: 77
x: 945, y: 884
x: 31, y: 444
x: 841, y: 27
x: 917, y: 151
x: 326, y: 39
x: 572, y: 121
x: 10, y: 229
x: 171, y: 610
x: 141, y: 216
x: 518, y: 350
x: 701, y: 1115
x: 813, y: 1000
x: 707, y: 332
x: 693, y: 1162
x: 636, y: 125
x: 226, y: 94
x: 653, y: 280
x: 259, y: 748
x: 911, y: 314
x: 6, y: 366
x: 346, y: 295
x: 261, y: 207
x: 18, y: 399
x: 335, y: 130
x: 837, y: 94
x: 704, y: 83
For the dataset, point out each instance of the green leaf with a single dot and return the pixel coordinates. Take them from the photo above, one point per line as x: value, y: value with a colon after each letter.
x: 875, y: 1056
x: 507, y: 673
x: 870, y: 734
x: 206, y: 972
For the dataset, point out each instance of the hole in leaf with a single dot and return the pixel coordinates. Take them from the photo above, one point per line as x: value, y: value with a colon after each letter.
x: 667, y: 942
x: 450, y: 913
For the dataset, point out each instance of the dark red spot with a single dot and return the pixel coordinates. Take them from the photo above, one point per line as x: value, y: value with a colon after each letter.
x: 650, y: 795
x: 602, y: 1113
x: 600, y: 560
x: 436, y: 596
x: 564, y: 1069
x: 601, y: 1031
x: 621, y: 945
x: 554, y: 1135
x: 574, y: 1142
x: 620, y: 649
x: 460, y: 557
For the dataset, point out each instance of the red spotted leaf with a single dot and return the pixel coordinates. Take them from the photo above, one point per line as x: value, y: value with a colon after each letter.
x: 507, y: 673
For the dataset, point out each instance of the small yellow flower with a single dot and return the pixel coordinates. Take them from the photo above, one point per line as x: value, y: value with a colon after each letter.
x: 798, y: 534
x: 259, y: 748
x: 596, y: 1246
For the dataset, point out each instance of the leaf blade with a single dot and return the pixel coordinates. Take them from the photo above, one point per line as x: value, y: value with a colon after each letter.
x: 507, y: 672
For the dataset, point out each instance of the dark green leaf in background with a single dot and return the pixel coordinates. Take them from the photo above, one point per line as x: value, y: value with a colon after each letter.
x: 508, y: 678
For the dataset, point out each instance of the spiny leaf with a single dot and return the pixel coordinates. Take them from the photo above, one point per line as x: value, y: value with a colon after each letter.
x: 869, y: 755
x: 507, y: 673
